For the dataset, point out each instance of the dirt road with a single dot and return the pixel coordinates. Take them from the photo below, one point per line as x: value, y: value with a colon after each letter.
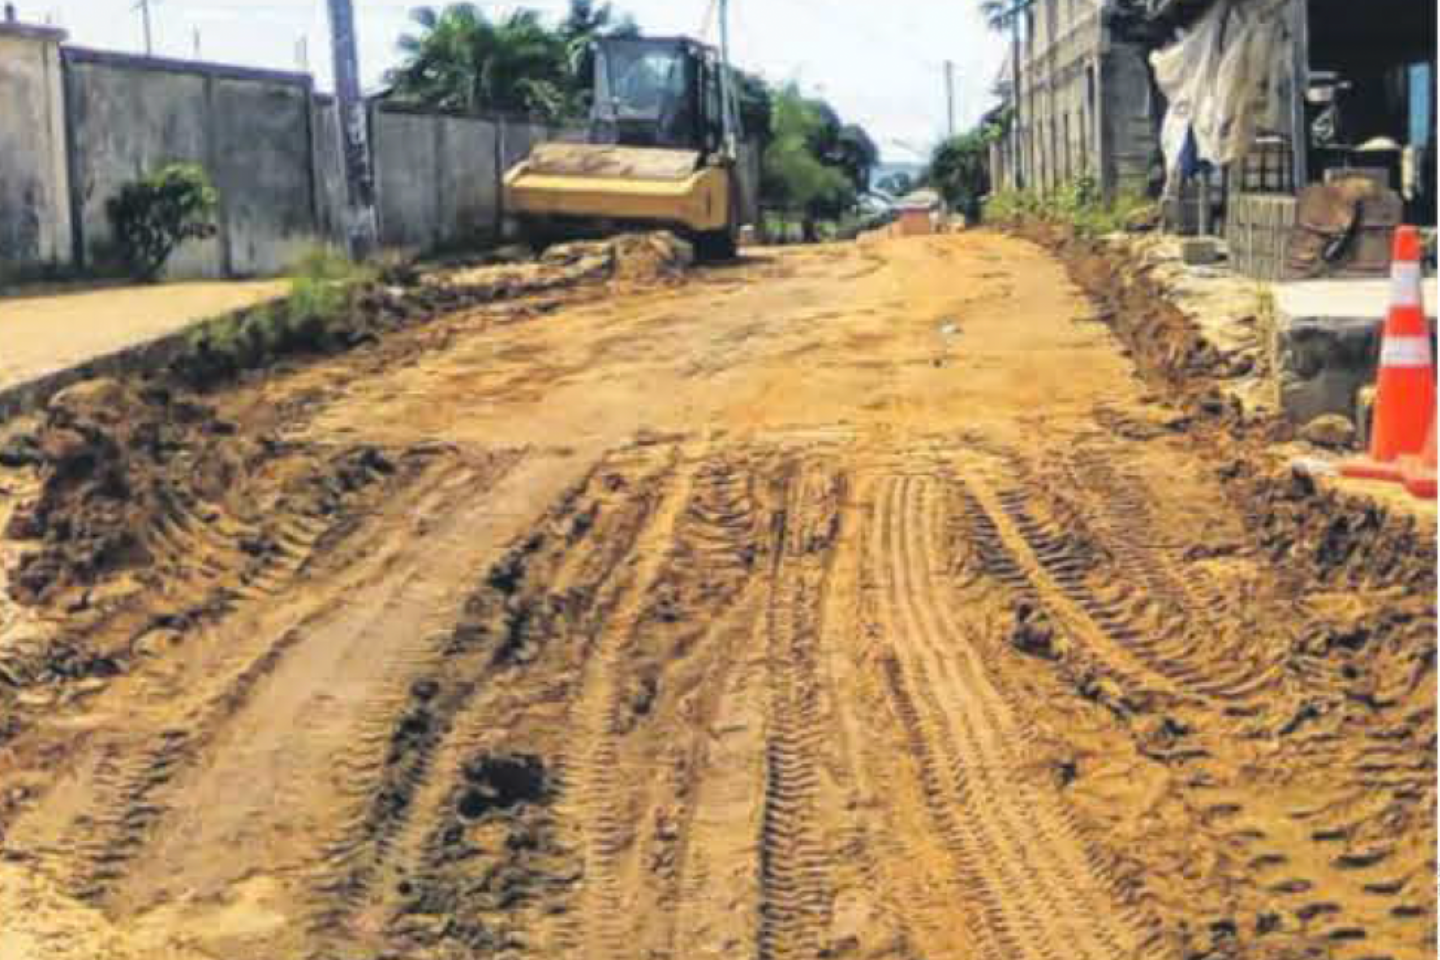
x: 848, y: 602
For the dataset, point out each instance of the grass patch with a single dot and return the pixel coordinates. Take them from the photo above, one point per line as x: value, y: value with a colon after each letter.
x: 314, y: 317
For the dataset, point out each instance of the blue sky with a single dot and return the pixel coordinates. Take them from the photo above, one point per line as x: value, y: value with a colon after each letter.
x: 879, y: 64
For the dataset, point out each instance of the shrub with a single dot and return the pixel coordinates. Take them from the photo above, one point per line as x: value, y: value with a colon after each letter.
x: 154, y: 215
x: 1078, y: 203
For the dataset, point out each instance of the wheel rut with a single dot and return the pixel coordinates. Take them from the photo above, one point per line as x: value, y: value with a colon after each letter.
x: 593, y: 774
x: 795, y: 896
x: 1037, y: 891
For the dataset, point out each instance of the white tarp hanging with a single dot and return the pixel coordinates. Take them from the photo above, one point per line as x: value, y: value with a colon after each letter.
x: 1214, y: 78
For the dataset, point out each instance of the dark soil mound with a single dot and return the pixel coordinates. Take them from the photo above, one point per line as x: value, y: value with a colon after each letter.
x: 113, y: 459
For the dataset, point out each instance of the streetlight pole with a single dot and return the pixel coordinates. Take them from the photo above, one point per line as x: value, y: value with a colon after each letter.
x: 360, y: 227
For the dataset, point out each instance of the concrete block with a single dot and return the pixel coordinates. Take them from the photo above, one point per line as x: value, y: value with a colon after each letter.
x: 1199, y: 251
x: 1325, y: 344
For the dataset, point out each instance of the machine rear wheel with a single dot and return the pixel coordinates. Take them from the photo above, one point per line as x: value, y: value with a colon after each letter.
x: 714, y: 246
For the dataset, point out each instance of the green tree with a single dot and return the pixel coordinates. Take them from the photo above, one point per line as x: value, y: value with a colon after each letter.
x: 755, y: 103
x: 461, y: 60
x: 796, y: 179
x: 856, y: 154
x: 587, y: 20
x: 585, y: 23
x: 960, y: 170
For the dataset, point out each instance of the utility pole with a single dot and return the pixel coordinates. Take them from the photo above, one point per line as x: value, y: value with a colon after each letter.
x: 195, y: 37
x: 144, y: 7
x: 950, y: 95
x: 727, y: 86
x: 361, y: 230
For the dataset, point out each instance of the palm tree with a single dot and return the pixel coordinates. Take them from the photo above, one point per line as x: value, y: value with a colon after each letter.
x: 587, y: 20
x: 583, y: 24
x: 463, y: 61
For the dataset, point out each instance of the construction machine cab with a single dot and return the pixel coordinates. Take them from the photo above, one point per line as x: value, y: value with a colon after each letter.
x: 658, y: 93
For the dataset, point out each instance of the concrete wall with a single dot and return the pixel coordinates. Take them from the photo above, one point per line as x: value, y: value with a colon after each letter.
x: 329, y: 171
x: 34, y: 206
x: 251, y: 130
x: 437, y: 178
x: 1060, y: 70
x: 76, y: 125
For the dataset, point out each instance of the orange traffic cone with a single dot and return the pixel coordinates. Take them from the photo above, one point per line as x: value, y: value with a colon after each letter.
x: 1405, y: 399
x: 1420, y: 471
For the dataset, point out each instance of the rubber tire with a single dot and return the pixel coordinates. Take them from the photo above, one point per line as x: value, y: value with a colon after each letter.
x: 715, y: 246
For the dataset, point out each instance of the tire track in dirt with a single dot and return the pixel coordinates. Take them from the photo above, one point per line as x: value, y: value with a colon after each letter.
x: 128, y: 807
x: 1331, y: 863
x: 1206, y: 645
x: 1083, y: 869
x: 347, y: 627
x: 1320, y: 875
x: 709, y: 578
x: 718, y: 843
x: 592, y: 775
x: 1011, y: 838
x: 1005, y: 557
x: 1186, y: 647
x: 123, y: 796
x: 795, y: 895
x: 208, y: 558
x: 411, y: 765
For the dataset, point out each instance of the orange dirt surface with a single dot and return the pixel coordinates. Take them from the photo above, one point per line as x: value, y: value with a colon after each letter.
x: 849, y: 601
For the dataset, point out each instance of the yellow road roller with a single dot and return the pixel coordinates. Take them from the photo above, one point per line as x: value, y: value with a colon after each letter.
x: 663, y: 153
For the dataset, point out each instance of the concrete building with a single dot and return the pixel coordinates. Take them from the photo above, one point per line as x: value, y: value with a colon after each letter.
x: 1309, y: 128
x: 1079, y: 99
x: 1355, y: 95
x: 1271, y: 94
